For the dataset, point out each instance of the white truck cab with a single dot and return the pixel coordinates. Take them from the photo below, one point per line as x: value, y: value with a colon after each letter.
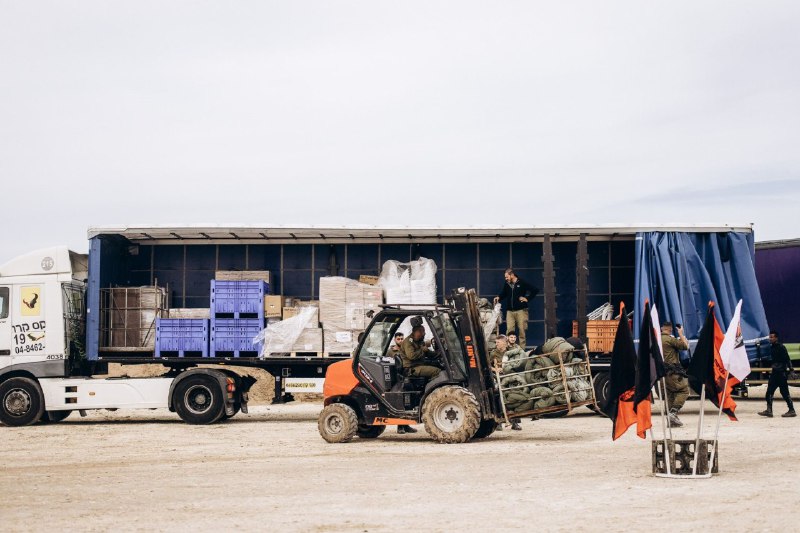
x: 42, y: 335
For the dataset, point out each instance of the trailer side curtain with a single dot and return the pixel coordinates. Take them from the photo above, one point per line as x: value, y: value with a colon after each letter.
x: 682, y: 272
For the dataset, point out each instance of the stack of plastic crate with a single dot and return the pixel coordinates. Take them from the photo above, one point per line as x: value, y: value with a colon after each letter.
x: 181, y: 337
x: 237, y: 316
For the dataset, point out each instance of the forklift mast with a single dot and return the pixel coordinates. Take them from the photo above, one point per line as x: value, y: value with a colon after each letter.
x: 476, y: 348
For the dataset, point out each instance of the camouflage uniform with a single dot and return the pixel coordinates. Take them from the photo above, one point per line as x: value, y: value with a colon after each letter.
x: 677, y: 383
x: 413, y: 354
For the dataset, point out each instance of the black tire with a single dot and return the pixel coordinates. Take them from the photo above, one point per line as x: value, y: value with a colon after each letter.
x: 21, y: 402
x: 601, y: 388
x: 451, y: 414
x: 338, y: 423
x: 53, y: 417
x: 486, y: 428
x: 369, y: 432
x: 199, y: 400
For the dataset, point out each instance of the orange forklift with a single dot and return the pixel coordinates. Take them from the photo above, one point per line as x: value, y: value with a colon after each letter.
x: 365, y: 394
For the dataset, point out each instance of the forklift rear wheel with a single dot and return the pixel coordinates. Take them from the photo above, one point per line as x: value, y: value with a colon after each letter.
x: 198, y: 399
x: 338, y: 423
x: 486, y: 428
x: 369, y: 432
x: 21, y: 402
x: 451, y: 414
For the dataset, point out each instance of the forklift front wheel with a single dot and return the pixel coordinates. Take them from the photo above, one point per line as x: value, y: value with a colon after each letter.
x: 338, y: 423
x: 451, y: 414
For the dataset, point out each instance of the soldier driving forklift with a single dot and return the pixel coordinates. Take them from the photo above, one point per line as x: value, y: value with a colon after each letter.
x: 448, y: 385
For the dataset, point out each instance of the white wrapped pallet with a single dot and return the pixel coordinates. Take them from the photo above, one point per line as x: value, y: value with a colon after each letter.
x: 409, y: 283
x: 310, y: 340
x: 282, y: 336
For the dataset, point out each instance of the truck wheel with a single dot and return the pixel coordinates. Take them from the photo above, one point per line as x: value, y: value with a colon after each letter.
x: 21, y: 402
x: 198, y: 400
x: 338, y: 423
x: 369, y: 432
x: 451, y: 414
x: 486, y: 428
x: 55, y: 416
x: 601, y: 389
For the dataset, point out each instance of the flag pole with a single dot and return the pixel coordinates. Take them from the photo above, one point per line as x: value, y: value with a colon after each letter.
x: 719, y: 417
x: 663, y: 388
x: 699, y: 427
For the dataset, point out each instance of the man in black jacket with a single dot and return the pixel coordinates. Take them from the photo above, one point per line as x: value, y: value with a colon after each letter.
x: 781, y: 366
x: 516, y: 296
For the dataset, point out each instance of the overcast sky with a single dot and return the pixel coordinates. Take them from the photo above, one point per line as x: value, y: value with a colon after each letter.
x: 420, y: 113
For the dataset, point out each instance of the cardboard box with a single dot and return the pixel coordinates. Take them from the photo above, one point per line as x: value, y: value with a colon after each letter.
x: 310, y: 340
x: 313, y: 322
x: 290, y: 312
x: 340, y: 340
x: 273, y: 306
x: 243, y: 275
x: 369, y: 280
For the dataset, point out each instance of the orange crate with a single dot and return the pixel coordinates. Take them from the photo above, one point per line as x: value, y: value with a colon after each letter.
x: 600, y: 334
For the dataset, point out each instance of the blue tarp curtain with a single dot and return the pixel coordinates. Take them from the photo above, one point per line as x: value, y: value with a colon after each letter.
x: 682, y: 272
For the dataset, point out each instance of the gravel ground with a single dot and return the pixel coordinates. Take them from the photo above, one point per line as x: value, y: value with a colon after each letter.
x: 270, y: 470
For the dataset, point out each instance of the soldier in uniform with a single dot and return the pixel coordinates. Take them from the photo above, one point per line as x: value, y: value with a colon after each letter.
x: 414, y: 351
x: 496, y: 360
x: 677, y: 379
x: 781, y: 367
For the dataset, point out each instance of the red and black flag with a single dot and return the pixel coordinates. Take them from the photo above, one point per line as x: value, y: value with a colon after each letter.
x: 622, y: 384
x: 706, y: 367
x: 650, y: 363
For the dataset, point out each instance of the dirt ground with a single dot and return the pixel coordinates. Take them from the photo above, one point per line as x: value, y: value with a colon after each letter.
x: 270, y: 470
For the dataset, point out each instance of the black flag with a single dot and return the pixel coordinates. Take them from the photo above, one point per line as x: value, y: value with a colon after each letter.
x: 650, y: 363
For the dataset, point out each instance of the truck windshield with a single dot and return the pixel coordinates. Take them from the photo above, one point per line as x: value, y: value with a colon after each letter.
x: 443, y: 325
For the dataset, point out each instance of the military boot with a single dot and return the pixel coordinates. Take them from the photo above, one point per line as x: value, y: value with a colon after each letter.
x: 515, y: 424
x: 673, y: 418
x: 409, y: 429
x: 766, y: 412
x: 789, y: 414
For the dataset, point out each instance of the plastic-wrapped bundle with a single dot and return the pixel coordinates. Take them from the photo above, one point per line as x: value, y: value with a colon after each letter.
x: 542, y: 397
x: 539, y: 366
x: 558, y: 393
x: 409, y: 283
x: 579, y: 388
x: 281, y: 336
x: 514, y: 360
x: 555, y: 346
x: 513, y: 381
x: 517, y: 401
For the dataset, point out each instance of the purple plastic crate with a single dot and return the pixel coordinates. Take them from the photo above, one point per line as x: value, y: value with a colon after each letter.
x: 182, y: 337
x: 238, y: 299
x: 233, y: 337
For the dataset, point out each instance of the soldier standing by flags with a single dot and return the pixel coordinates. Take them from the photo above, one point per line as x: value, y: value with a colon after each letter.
x: 677, y: 382
x: 781, y: 366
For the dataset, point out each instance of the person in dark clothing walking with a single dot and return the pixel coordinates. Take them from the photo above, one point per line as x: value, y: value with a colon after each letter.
x: 516, y: 296
x: 781, y: 366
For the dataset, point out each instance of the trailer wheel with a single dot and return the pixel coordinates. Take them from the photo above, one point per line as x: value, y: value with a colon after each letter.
x: 55, y: 416
x: 21, y: 402
x: 486, y: 428
x: 338, y: 423
x: 601, y: 390
x: 369, y: 432
x: 198, y: 399
x: 451, y: 414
